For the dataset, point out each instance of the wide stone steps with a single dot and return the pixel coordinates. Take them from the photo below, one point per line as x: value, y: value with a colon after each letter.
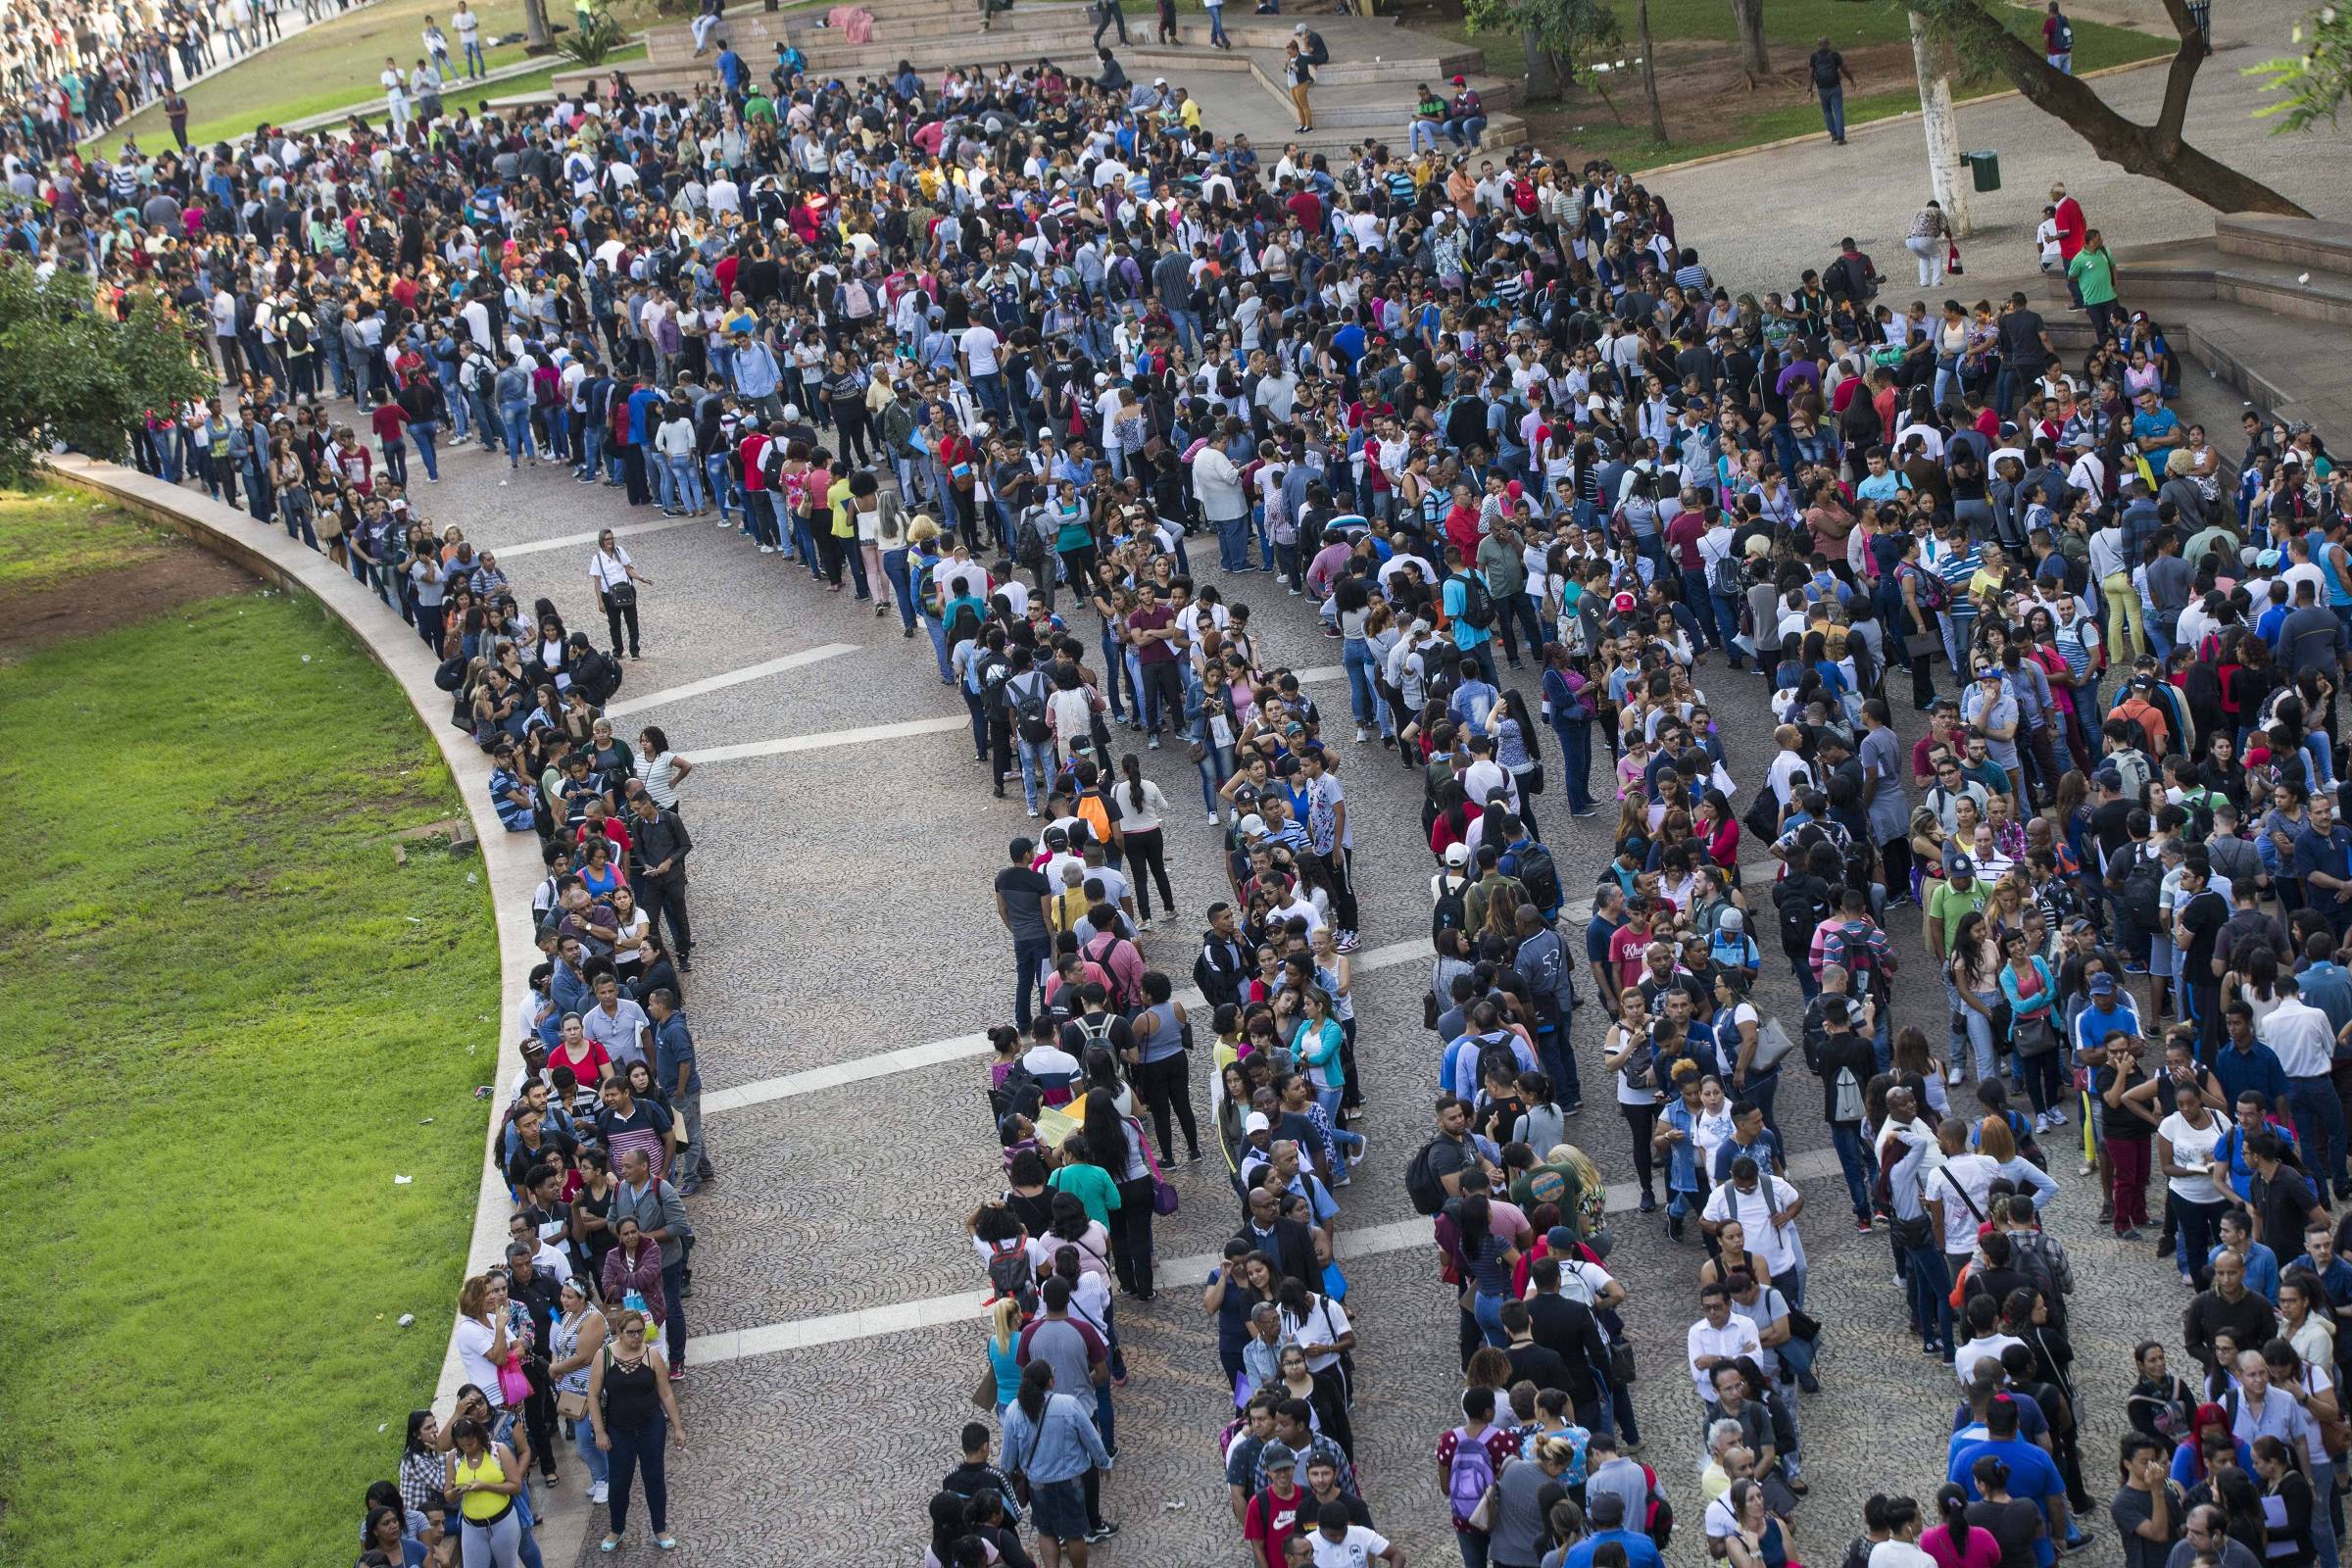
x: 2307, y: 244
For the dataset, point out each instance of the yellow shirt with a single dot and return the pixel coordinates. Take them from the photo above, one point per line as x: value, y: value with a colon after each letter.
x: 482, y: 1505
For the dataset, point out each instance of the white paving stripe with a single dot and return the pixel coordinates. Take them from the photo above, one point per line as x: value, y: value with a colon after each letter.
x: 963, y: 1306
x: 700, y: 755
x: 579, y: 541
x: 960, y: 1047
x: 733, y: 677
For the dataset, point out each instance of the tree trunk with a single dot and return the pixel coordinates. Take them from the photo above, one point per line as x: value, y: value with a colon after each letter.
x: 1930, y: 57
x: 1649, y: 76
x: 536, y: 38
x: 1748, y: 15
x: 1542, y: 74
x: 2155, y: 151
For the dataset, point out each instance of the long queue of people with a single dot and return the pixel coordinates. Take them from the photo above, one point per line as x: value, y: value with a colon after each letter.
x: 72, y: 71
x: 986, y: 356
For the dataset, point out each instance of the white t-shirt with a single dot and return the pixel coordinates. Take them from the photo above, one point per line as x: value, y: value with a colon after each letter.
x: 979, y: 346
x: 1777, y: 1245
x: 1971, y: 1174
x: 2193, y: 1147
x: 473, y: 1341
x: 1360, y: 1544
x: 1326, y: 1324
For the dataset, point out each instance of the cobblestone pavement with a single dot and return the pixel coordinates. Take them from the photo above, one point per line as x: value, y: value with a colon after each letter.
x: 842, y: 910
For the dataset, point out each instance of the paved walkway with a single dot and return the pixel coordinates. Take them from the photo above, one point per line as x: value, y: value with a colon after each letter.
x: 848, y: 961
x: 1871, y: 187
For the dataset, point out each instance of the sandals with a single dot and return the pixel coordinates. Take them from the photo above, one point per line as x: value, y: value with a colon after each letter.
x: 665, y: 1543
x: 609, y: 1544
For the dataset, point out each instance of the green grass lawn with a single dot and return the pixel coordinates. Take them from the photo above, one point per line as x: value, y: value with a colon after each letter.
x: 49, y: 538
x: 337, y: 63
x: 236, y: 1017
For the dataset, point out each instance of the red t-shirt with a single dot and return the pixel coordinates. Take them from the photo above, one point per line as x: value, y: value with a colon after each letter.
x: 1157, y: 618
x: 1684, y: 533
x: 387, y: 421
x: 1276, y: 1532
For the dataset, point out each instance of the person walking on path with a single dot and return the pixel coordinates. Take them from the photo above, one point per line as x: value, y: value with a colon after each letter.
x: 1831, y: 75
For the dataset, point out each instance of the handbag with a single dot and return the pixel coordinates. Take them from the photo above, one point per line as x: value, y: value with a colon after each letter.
x: 984, y: 1394
x: 1164, y: 1197
x: 621, y: 594
x: 1622, y: 1367
x: 571, y: 1406
x: 1773, y: 1046
x: 2037, y: 1037
x: 513, y: 1383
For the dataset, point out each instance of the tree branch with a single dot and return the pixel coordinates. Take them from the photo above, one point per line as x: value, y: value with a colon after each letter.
x: 2156, y: 151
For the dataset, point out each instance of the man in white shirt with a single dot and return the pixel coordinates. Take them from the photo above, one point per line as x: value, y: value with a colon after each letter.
x: 1766, y: 1208
x: 2300, y: 1036
x: 1722, y: 1335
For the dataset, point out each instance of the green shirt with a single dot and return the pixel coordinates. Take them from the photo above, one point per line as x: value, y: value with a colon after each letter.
x: 758, y: 107
x: 1948, y: 905
x: 1090, y: 1185
x: 2093, y: 272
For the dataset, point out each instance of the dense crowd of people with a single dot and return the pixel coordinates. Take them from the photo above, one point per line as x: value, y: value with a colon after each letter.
x: 1005, y: 356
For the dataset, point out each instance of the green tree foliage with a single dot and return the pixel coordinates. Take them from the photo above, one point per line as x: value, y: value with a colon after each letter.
x: 1566, y: 33
x: 2315, y: 81
x: 82, y: 376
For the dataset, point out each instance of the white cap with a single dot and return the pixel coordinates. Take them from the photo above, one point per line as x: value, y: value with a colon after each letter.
x: 791, y: 410
x: 1256, y: 1123
x: 1252, y: 825
x: 1458, y: 853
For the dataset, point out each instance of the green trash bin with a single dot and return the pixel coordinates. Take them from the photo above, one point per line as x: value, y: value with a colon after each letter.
x: 1986, y: 167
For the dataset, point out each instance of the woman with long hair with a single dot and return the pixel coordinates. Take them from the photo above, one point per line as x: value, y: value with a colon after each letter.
x: 1486, y: 1260
x: 1571, y: 702
x: 633, y: 1406
x: 1142, y: 811
x: 575, y: 1343
x: 1974, y: 971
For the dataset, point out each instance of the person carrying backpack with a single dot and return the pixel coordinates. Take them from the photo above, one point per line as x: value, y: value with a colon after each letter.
x: 1801, y: 903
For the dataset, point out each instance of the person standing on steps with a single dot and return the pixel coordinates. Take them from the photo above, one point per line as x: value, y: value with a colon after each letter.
x: 1301, y: 75
x: 1108, y: 14
x: 1831, y: 76
x: 1216, y: 21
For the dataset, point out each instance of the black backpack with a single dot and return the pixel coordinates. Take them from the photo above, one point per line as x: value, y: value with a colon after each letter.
x: 2063, y: 35
x: 2144, y: 887
x: 1421, y: 1184
x: 1010, y: 1274
x: 1028, y: 703
x: 1478, y: 606
x: 1802, y: 905
x: 1019, y: 1095
x: 1452, y: 912
x: 1541, y: 877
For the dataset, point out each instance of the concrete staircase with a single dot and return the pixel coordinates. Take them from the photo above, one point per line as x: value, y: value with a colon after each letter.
x: 1365, y: 91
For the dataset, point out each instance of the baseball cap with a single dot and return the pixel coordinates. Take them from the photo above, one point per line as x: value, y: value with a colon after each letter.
x: 1959, y: 866
x: 2080, y: 922
x: 1256, y: 1123
x: 1732, y: 920
x: 1277, y: 1455
x: 1456, y: 853
x: 1624, y: 603
x: 1254, y: 826
x: 2108, y: 778
x: 1462, y: 82
x: 2102, y: 985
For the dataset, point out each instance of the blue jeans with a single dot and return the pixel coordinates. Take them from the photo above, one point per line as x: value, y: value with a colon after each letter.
x: 1928, y: 1284
x: 1467, y: 129
x: 1853, y: 1158
x: 1575, y: 736
x: 1423, y: 132
x: 583, y: 1440
x: 2318, y: 1117
x: 1488, y: 1309
x: 681, y: 485
x: 517, y: 417
x: 715, y: 479
x: 902, y: 587
x: 1216, y: 25
x: 1833, y: 112
x: 1028, y: 975
x: 939, y: 646
x: 1215, y: 767
x: 1037, y: 768
x: 1356, y: 656
x: 1233, y: 542
x: 423, y: 432
x: 1726, y: 623
x: 592, y: 450
x: 639, y: 1453
x: 474, y: 64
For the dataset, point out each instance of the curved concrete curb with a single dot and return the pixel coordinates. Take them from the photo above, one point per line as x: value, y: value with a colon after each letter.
x: 510, y: 860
